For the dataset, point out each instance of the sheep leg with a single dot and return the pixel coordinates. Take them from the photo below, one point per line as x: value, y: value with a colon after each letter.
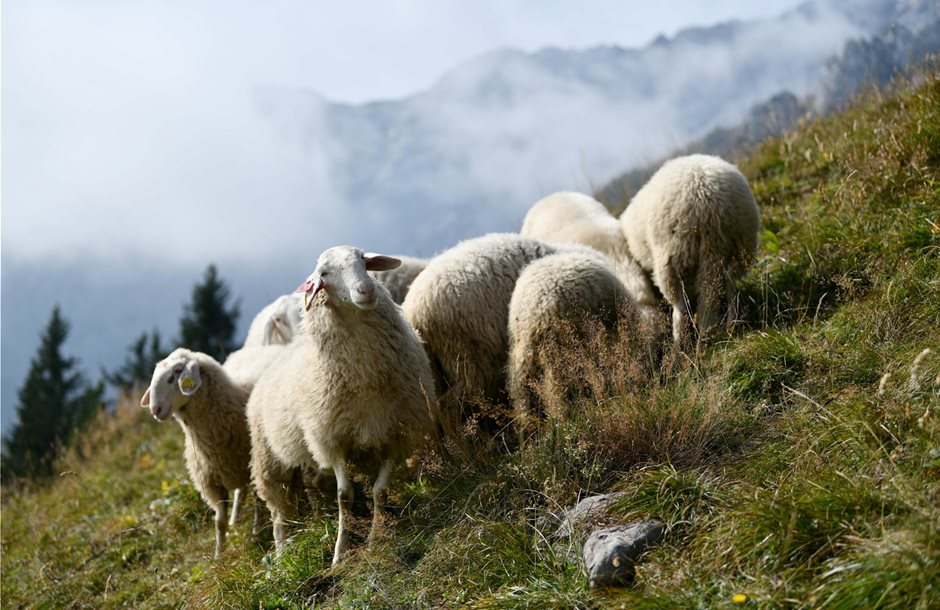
x: 257, y: 519
x: 219, y: 501
x: 236, y: 506
x: 281, y: 501
x: 670, y: 284
x: 344, y: 498
x: 378, y: 498
x: 279, y: 527
x: 272, y: 482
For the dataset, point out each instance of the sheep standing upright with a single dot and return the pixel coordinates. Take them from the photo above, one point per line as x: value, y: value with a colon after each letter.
x: 355, y: 383
x: 210, y: 407
x: 693, y: 229
x: 553, y: 302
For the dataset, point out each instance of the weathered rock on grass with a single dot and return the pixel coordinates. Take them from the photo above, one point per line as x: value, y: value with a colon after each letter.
x: 611, y: 554
x: 610, y: 551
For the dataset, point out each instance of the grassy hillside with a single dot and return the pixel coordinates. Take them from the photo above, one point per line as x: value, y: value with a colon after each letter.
x: 797, y: 463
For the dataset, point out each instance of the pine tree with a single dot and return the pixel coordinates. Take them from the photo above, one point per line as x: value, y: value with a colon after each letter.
x: 143, y: 355
x: 54, y: 402
x: 208, y: 323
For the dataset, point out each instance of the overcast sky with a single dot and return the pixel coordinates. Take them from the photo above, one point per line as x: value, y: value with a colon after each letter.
x: 111, y: 109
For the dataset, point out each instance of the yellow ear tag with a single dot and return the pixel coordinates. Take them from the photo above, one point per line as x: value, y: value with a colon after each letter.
x: 187, y: 383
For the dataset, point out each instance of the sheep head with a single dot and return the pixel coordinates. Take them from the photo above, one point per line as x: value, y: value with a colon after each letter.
x: 175, y: 379
x: 283, y: 321
x: 341, y: 275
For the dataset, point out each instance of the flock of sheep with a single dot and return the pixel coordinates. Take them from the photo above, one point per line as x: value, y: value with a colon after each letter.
x: 374, y: 355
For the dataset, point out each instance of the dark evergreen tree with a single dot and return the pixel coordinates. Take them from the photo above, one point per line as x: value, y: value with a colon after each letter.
x: 208, y: 323
x: 54, y: 402
x: 138, y: 365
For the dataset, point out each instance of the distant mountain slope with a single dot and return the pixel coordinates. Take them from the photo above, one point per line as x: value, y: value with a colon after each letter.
x: 771, y: 118
x: 862, y: 63
x: 493, y: 135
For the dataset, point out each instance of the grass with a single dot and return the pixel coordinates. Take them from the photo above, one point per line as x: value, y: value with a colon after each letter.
x: 796, y: 463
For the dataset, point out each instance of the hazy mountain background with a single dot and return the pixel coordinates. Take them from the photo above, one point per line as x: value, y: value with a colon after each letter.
x: 414, y: 175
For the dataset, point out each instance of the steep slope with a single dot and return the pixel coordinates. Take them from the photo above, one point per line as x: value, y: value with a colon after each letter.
x: 797, y: 464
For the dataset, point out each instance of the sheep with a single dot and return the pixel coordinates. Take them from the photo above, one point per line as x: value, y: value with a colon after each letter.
x: 554, y: 301
x: 245, y: 366
x: 460, y: 306
x: 575, y: 218
x: 276, y: 323
x: 356, y: 383
x: 693, y: 228
x: 210, y: 407
x: 399, y: 279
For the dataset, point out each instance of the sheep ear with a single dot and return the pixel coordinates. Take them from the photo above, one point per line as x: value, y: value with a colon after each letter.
x: 189, y: 380
x: 270, y: 328
x: 145, y: 399
x: 380, y: 262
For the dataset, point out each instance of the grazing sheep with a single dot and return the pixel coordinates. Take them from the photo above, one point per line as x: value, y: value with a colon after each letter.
x: 355, y: 384
x: 399, y: 279
x: 245, y: 366
x: 460, y: 307
x: 555, y: 300
x: 574, y: 218
x: 693, y: 229
x: 276, y: 323
x: 196, y: 391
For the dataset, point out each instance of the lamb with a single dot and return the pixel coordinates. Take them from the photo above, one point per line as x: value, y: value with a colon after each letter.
x: 574, y: 218
x: 276, y: 323
x: 356, y: 383
x: 553, y: 299
x: 460, y: 307
x: 196, y: 391
x: 399, y: 279
x: 693, y: 230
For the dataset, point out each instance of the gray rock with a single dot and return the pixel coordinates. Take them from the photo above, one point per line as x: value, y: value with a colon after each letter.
x: 586, y: 513
x: 610, y: 554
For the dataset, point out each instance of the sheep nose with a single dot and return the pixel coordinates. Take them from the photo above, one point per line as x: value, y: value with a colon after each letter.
x: 366, y: 290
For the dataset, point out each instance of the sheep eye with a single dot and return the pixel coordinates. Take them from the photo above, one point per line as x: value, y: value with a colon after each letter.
x: 171, y: 380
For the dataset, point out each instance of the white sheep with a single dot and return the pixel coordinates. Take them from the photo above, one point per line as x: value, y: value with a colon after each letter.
x: 356, y: 383
x: 399, y: 279
x: 575, y: 218
x: 555, y: 300
x: 276, y: 323
x: 460, y: 306
x: 693, y: 230
x: 210, y: 407
x: 246, y: 365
